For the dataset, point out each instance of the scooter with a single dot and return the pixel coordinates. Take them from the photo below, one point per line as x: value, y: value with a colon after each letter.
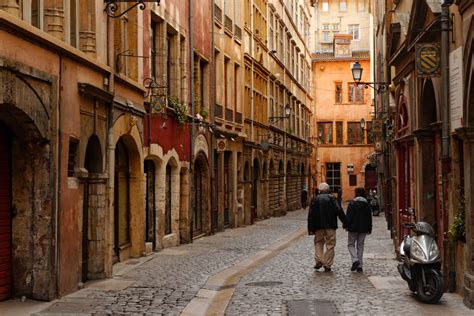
x: 374, y: 203
x: 421, y: 262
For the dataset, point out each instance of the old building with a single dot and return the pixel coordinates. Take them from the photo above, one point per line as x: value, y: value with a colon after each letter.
x: 345, y: 146
x: 277, y: 106
x: 71, y: 114
x: 427, y: 156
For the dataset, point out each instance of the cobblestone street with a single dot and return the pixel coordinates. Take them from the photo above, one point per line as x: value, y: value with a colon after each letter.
x: 170, y: 279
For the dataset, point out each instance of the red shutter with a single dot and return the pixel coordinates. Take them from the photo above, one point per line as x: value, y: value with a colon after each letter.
x: 5, y: 217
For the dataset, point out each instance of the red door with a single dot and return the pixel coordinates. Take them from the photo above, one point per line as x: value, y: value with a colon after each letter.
x: 5, y: 217
x: 404, y: 190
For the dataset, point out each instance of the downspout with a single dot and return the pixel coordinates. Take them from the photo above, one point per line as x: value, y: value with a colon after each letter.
x: 193, y: 114
x: 56, y: 218
x: 212, y: 105
x: 110, y: 142
x: 445, y: 158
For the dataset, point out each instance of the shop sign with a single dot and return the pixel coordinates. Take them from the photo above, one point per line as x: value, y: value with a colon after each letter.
x: 428, y: 60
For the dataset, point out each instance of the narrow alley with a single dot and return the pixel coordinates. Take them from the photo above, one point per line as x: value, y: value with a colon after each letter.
x: 264, y: 269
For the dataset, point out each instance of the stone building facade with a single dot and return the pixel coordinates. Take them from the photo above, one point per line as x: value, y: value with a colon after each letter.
x: 277, y: 71
x: 419, y: 174
x: 72, y: 136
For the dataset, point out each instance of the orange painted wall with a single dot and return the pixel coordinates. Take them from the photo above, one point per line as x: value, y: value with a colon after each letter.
x: 326, y: 74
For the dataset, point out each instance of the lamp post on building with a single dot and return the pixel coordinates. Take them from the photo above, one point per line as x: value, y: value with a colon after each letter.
x: 112, y: 6
x: 357, y: 71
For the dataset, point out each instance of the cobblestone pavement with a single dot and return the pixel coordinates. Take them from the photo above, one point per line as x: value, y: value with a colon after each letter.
x: 166, y: 284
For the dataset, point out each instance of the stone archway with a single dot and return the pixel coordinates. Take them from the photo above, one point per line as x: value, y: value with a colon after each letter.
x: 256, y: 192
x: 27, y: 173
x: 93, y: 212
x: 200, y: 206
x: 128, y: 200
x: 429, y: 144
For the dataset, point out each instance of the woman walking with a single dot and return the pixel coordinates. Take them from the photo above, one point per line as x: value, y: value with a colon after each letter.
x: 359, y: 224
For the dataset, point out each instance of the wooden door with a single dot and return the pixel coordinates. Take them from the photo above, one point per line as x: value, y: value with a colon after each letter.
x: 5, y: 216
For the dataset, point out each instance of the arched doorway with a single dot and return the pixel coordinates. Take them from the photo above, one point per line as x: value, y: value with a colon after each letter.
x: 429, y: 144
x: 247, y: 195
x: 93, y: 214
x: 150, y: 203
x: 5, y: 214
x: 289, y: 192
x: 122, y: 199
x: 255, y: 190
x: 370, y: 177
x: 168, y: 199
x: 201, y: 197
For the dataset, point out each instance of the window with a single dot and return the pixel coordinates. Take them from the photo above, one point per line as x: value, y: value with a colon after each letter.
x: 325, y: 6
x: 355, y: 134
x: 72, y: 156
x: 325, y: 27
x: 338, y: 96
x: 356, y: 93
x: 352, y: 180
x: 339, y: 135
x: 335, y: 27
x: 342, y: 5
x: 354, y: 30
x: 271, y: 33
x: 324, y: 132
x: 71, y: 22
x: 370, y: 133
x: 33, y: 12
x: 333, y: 175
x: 326, y: 35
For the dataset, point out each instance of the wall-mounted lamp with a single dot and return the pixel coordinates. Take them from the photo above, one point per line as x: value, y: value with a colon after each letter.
x: 273, y: 119
x: 357, y: 71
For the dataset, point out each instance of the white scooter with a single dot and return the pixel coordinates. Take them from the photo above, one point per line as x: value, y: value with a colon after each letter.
x: 421, y: 262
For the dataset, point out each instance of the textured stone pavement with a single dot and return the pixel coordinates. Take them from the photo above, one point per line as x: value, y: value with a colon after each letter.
x: 165, y: 284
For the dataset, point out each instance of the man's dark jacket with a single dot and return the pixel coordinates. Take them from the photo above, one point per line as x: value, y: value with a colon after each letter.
x: 359, y: 216
x: 323, y: 213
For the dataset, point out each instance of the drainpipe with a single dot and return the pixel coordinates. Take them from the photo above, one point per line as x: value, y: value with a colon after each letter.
x: 445, y: 158
x: 212, y: 105
x: 110, y: 142
x: 57, y: 208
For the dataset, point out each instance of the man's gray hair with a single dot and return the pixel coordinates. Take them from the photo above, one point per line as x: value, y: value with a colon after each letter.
x: 323, y: 186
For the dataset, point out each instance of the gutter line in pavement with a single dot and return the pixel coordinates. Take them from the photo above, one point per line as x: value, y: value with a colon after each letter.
x: 215, y: 295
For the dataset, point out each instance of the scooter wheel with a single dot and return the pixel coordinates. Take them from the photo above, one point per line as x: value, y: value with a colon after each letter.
x: 432, y: 291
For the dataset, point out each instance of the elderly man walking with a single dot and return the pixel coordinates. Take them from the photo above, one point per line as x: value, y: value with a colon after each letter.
x: 322, y: 223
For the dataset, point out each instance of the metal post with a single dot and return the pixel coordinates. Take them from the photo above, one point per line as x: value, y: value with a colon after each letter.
x: 445, y: 157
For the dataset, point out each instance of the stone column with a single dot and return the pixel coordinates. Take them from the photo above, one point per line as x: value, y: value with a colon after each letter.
x: 54, y: 18
x: 87, y: 38
x: 11, y: 6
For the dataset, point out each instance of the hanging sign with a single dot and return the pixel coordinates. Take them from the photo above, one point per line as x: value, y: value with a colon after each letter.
x: 428, y: 60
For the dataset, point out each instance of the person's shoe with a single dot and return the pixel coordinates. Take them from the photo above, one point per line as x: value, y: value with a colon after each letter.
x: 327, y: 269
x: 318, y: 265
x: 355, y: 265
x: 359, y: 269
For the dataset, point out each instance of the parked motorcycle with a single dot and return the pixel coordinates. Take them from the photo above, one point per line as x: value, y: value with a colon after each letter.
x: 374, y: 202
x: 421, y: 262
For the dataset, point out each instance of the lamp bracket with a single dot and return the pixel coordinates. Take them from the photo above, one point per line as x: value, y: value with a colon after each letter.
x: 111, y: 7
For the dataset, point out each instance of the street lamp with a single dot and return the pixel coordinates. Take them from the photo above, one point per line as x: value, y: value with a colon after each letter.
x: 357, y: 71
x: 274, y: 119
x: 362, y: 124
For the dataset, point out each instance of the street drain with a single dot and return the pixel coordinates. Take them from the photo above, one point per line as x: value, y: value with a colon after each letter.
x: 264, y: 283
x: 311, y: 307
